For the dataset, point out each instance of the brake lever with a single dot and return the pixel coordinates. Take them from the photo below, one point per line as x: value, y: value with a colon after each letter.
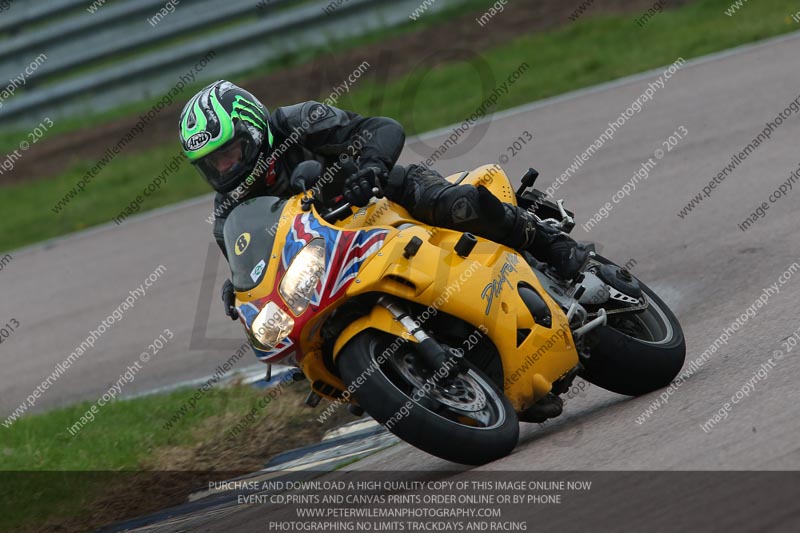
x: 377, y: 190
x: 334, y: 215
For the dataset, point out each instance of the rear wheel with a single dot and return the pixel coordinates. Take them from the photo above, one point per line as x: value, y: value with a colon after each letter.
x: 468, y: 420
x: 636, y: 353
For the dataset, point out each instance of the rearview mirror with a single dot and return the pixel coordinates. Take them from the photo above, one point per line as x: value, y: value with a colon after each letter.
x: 305, y: 176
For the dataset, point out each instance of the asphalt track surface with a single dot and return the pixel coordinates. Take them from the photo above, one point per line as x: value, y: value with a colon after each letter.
x: 703, y: 266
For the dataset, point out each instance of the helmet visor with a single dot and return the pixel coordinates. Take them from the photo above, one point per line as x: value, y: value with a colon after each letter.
x: 225, y: 167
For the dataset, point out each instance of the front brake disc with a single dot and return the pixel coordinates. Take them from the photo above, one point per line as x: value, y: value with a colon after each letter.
x: 463, y: 392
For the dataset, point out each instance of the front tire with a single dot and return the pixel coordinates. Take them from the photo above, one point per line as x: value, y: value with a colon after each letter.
x: 439, y: 422
x: 635, y: 354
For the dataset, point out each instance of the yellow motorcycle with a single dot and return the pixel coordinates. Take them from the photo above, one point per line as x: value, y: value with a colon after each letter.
x: 445, y: 338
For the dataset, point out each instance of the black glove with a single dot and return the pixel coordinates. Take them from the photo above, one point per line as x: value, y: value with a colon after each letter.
x: 229, y: 299
x: 370, y: 162
x: 358, y: 188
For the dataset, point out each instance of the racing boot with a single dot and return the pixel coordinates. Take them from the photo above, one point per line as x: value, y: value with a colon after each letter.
x: 567, y: 257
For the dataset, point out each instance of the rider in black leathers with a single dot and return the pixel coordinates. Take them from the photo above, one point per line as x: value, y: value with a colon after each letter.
x: 244, y: 152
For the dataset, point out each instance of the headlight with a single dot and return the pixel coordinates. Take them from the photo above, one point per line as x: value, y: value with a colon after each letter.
x: 270, y: 327
x: 301, y: 279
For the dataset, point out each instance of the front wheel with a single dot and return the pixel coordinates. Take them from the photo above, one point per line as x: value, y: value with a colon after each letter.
x: 467, y: 421
x: 636, y: 353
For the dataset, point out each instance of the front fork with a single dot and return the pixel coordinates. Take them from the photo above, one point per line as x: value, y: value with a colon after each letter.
x: 433, y: 355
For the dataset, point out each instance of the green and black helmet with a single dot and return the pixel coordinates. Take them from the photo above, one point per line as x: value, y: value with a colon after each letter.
x: 224, y: 132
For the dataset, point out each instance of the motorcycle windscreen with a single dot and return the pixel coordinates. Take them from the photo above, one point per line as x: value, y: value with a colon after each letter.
x: 249, y: 235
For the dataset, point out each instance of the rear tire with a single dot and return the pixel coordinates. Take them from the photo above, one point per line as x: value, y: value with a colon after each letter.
x: 626, y: 363
x: 384, y: 393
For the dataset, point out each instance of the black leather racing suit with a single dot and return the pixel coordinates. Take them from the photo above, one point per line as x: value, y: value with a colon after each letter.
x: 311, y: 130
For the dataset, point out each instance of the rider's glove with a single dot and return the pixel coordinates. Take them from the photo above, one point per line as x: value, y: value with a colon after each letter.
x: 358, y: 188
x: 371, y: 162
x: 229, y: 299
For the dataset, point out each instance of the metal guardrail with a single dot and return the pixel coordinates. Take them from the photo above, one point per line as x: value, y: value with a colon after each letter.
x: 119, y: 29
x: 114, y: 56
x: 19, y: 15
x: 64, y: 30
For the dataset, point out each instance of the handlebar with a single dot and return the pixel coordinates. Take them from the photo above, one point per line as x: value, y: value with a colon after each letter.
x: 333, y: 216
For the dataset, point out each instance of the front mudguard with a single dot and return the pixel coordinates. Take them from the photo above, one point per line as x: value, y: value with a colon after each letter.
x: 379, y: 318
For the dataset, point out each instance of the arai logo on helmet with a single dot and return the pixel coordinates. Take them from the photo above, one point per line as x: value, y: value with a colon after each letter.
x: 198, y: 140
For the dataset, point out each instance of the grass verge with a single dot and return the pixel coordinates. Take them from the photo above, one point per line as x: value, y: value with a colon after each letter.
x: 27, y: 206
x: 584, y: 53
x: 125, y: 463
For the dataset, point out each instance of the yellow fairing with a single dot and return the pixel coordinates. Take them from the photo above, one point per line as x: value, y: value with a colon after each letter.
x: 490, y: 176
x: 313, y: 365
x: 480, y: 289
